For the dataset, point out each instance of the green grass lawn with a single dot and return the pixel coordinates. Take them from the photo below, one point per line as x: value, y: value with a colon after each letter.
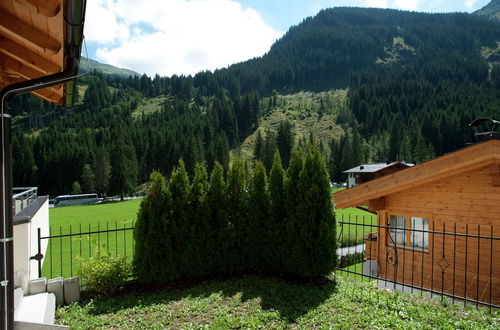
x: 255, y: 302
x: 88, y: 218
x: 354, y: 232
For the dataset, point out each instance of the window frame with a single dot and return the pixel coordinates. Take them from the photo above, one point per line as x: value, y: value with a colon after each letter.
x: 408, y: 230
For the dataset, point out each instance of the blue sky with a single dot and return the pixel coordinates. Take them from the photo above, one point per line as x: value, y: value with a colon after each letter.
x: 169, y: 37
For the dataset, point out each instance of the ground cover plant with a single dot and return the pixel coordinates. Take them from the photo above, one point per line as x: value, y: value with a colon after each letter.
x: 257, y: 302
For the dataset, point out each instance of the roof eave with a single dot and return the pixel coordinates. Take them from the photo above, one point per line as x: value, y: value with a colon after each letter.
x: 466, y: 159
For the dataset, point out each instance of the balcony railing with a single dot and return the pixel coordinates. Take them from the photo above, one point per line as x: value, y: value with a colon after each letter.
x: 23, y: 197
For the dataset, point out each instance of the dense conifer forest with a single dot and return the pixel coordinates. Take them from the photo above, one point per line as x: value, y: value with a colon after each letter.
x: 414, y: 82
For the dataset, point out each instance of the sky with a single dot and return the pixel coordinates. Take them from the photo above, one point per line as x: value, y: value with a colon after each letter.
x: 169, y: 37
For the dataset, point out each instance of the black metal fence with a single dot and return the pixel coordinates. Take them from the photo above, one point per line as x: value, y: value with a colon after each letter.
x: 68, y: 245
x: 457, y: 262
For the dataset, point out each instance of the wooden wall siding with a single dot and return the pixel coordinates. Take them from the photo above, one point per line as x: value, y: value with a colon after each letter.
x: 446, y: 266
x: 467, y: 267
x: 466, y: 198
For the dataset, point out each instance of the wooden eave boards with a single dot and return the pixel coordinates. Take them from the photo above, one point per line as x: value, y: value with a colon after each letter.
x: 466, y: 159
x: 32, y: 43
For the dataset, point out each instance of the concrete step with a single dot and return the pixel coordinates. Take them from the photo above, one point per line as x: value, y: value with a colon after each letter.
x: 37, y: 308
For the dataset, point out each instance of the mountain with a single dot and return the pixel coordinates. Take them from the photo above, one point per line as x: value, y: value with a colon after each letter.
x: 388, y: 85
x: 491, y: 10
x: 87, y: 64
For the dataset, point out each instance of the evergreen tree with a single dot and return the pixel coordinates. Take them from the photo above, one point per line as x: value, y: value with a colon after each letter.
x: 314, y: 252
x: 123, y: 168
x: 284, y: 141
x: 258, y: 150
x: 293, y: 200
x: 101, y: 169
x: 76, y: 189
x: 278, y: 214
x: 218, y: 222
x: 259, y: 232
x: 201, y: 231
x: 180, y: 226
x: 88, y: 180
x: 153, y: 257
x: 238, y: 212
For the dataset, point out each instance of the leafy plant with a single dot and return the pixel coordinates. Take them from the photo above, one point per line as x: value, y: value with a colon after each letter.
x: 104, y: 273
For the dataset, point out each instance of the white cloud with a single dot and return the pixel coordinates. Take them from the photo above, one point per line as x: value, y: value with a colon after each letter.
x: 407, y: 4
x: 176, y: 36
x: 377, y: 3
x: 469, y: 4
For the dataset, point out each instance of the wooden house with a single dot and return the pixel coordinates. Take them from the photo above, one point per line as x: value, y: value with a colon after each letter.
x: 367, y: 172
x: 438, y: 224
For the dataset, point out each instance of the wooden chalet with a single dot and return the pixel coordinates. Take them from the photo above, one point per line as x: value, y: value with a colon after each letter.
x: 367, y: 172
x: 438, y: 224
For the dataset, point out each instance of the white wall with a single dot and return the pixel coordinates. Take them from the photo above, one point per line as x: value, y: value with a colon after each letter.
x: 26, y: 245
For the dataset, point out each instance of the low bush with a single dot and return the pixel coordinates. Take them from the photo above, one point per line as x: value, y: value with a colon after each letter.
x: 104, y: 273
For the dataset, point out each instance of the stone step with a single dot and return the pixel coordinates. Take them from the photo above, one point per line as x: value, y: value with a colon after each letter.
x: 38, y: 308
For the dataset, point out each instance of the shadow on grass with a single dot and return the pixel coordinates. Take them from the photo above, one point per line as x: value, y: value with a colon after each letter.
x: 291, y: 300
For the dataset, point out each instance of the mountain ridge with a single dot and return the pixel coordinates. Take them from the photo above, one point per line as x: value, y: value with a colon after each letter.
x: 88, y: 64
x: 491, y: 10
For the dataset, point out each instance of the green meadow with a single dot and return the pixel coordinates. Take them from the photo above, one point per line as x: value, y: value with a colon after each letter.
x: 63, y: 253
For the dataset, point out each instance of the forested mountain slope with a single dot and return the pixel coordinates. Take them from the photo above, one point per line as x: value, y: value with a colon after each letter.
x: 491, y: 10
x: 414, y: 81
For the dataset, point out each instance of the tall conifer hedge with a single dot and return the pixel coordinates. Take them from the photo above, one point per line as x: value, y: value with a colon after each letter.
x: 281, y: 226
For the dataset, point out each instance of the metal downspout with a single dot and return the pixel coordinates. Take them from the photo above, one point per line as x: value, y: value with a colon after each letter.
x: 73, y: 16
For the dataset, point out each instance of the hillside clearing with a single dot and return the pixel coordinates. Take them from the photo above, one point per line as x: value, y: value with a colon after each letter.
x: 308, y: 112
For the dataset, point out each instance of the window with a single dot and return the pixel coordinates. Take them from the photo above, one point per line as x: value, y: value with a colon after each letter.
x: 419, y: 232
x: 413, y: 234
x: 397, y: 230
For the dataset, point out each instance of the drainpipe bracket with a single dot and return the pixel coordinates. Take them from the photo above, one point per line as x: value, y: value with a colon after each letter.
x: 6, y: 239
x: 4, y: 283
x: 5, y: 115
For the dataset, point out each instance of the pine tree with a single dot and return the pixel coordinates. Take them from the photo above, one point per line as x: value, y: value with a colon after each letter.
x: 284, y: 141
x: 180, y: 224
x: 238, y: 212
x: 314, y: 254
x: 153, y: 257
x: 258, y: 150
x: 278, y: 214
x: 259, y: 260
x: 124, y: 168
x: 102, y: 171
x: 88, y: 180
x: 76, y: 188
x: 218, y: 222
x: 292, y: 190
x: 201, y: 230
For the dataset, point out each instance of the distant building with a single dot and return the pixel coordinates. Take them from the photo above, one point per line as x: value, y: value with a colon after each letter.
x: 367, y: 172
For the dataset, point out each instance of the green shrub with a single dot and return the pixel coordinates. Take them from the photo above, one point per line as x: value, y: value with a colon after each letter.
x: 104, y: 273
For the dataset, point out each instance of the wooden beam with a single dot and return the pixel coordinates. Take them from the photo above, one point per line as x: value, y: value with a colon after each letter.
x: 11, y: 66
x: 48, y: 8
x: 17, y: 29
x: 26, y: 56
x: 375, y: 205
x: 466, y: 159
x: 54, y: 94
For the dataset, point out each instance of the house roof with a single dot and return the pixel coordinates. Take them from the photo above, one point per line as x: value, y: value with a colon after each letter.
x: 34, y: 42
x: 372, y: 168
x: 469, y: 158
